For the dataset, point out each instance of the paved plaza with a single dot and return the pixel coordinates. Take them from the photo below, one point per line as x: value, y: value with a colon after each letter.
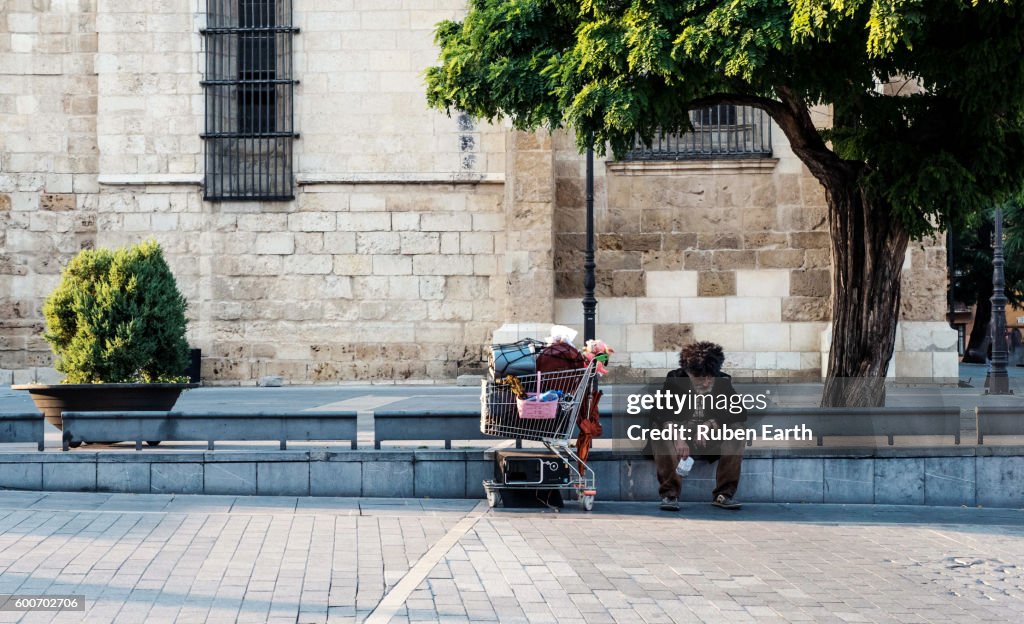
x: 152, y: 558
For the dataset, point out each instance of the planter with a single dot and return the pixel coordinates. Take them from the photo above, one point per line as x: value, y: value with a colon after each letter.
x: 52, y: 399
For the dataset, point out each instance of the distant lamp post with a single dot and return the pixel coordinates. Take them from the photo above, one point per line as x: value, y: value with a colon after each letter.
x: 589, y: 279
x: 998, y: 379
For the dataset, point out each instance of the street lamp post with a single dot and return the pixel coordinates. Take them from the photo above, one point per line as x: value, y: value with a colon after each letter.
x: 589, y: 279
x: 998, y: 379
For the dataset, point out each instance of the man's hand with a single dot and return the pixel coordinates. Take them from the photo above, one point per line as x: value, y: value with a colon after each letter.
x: 683, y: 449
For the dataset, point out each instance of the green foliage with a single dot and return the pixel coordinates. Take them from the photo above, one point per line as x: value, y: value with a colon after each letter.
x: 927, y: 95
x: 117, y: 316
x: 972, y: 256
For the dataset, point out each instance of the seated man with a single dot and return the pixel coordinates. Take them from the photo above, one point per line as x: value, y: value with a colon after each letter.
x: 700, y: 375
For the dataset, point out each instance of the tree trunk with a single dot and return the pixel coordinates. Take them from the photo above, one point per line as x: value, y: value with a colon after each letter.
x: 976, y: 351
x: 868, y: 249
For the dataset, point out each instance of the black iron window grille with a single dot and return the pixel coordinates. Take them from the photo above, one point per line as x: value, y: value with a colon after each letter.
x: 723, y: 131
x: 249, y: 91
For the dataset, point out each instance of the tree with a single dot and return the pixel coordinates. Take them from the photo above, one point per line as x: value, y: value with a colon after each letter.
x: 972, y: 271
x: 927, y: 96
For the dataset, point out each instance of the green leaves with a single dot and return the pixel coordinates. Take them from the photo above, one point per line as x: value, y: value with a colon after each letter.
x: 927, y: 95
x: 117, y: 316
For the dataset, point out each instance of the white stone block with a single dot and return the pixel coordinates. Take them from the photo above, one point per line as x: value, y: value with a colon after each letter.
x: 420, y: 242
x: 730, y: 337
x: 928, y: 336
x: 312, y: 222
x: 308, y: 264
x: 511, y: 332
x: 739, y: 360
x: 568, y: 311
x: 638, y: 338
x: 702, y: 310
x: 442, y: 265
x: 446, y: 222
x: 651, y: 359
x: 352, y: 264
x: 362, y: 221
x: 657, y: 310
x: 405, y: 221
x: 364, y: 202
x: 340, y: 242
x: 766, y: 336
x: 392, y: 265
x: 403, y: 287
x: 378, y: 243
x: 617, y: 310
x: 946, y: 365
x: 810, y: 361
x: 476, y: 243
x: 914, y: 364
x: 765, y: 361
x: 806, y: 337
x: 613, y: 335
x: 282, y: 243
x: 753, y: 309
x: 671, y: 283
x: 762, y: 283
x: 787, y: 360
x: 431, y: 287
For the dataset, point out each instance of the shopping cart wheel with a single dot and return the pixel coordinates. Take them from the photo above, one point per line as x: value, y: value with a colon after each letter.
x: 493, y: 498
x: 588, y: 500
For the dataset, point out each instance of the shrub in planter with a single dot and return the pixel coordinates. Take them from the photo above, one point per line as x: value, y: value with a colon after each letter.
x: 118, y: 317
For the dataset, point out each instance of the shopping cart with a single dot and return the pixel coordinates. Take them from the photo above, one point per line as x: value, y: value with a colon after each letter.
x: 502, y: 414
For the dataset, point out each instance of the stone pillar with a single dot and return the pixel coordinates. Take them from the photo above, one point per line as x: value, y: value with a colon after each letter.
x: 529, y: 223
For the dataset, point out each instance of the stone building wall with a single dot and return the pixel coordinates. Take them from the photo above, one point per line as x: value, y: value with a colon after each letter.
x: 413, y: 235
x: 732, y: 251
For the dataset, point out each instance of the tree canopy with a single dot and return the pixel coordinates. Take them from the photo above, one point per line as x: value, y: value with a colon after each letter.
x: 927, y: 95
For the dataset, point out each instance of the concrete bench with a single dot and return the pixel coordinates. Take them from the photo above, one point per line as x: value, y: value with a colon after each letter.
x: 862, y: 422
x: 22, y: 427
x: 209, y: 426
x: 444, y: 425
x: 999, y: 421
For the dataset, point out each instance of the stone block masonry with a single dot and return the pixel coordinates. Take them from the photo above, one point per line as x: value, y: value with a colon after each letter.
x: 413, y: 234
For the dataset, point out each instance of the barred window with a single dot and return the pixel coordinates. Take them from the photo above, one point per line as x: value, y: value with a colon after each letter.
x: 248, y: 91
x: 723, y: 131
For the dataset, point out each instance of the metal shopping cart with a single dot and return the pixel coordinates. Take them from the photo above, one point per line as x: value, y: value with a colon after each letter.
x: 504, y: 414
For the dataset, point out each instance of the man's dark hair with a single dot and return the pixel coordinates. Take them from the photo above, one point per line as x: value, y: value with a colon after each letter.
x: 702, y: 359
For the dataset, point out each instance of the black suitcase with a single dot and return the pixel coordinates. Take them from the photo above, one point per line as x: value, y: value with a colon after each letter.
x: 530, y: 468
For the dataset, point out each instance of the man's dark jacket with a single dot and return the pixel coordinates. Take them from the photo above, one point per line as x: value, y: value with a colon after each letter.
x: 678, y: 382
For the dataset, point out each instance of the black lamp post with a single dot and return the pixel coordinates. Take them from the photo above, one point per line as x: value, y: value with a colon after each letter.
x: 998, y: 379
x: 589, y: 279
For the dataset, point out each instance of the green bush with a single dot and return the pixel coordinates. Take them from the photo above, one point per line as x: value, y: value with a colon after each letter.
x: 117, y: 316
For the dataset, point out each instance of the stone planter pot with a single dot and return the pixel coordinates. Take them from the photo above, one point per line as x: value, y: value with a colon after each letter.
x: 53, y: 399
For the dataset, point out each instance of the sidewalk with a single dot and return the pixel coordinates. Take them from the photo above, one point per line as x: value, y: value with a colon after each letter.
x: 157, y: 559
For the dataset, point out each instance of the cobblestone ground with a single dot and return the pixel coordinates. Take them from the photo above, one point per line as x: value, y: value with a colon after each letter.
x: 151, y: 558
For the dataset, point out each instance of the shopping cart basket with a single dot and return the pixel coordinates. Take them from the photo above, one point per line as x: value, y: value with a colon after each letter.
x: 502, y: 414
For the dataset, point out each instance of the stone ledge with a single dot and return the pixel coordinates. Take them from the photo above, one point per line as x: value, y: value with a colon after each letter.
x: 313, y: 179
x: 710, y: 165
x: 145, y: 179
